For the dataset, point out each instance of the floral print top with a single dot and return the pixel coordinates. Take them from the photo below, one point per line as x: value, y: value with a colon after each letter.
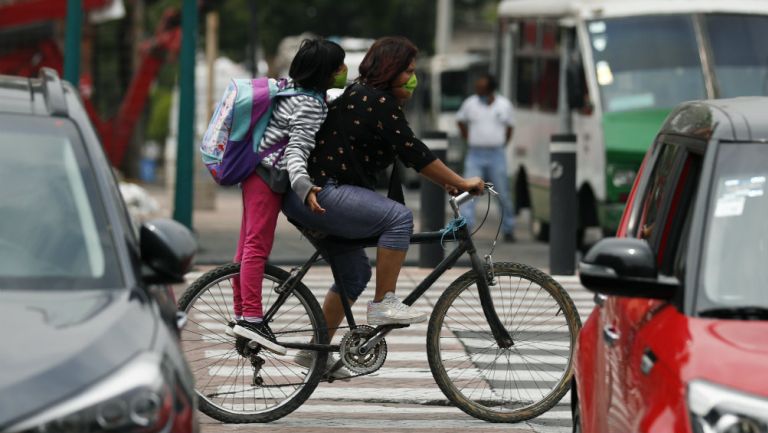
x: 377, y: 133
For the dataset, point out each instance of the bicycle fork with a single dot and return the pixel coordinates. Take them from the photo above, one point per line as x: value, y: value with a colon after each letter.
x: 500, y: 334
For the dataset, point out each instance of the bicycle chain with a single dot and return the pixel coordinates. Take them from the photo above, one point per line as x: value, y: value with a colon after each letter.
x: 323, y: 379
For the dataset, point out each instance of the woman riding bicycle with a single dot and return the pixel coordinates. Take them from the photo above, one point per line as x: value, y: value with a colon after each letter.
x: 364, y: 133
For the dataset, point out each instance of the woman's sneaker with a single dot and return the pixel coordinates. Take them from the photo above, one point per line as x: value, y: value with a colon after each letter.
x: 305, y: 357
x: 260, y: 334
x: 390, y: 311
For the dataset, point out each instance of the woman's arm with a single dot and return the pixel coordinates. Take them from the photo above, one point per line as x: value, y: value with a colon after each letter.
x: 439, y: 173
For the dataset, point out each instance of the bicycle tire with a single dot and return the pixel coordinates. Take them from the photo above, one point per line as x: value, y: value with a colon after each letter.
x: 207, y: 309
x: 450, y: 329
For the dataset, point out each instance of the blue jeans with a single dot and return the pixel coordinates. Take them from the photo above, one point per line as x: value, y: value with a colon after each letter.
x: 353, y: 212
x: 491, y: 165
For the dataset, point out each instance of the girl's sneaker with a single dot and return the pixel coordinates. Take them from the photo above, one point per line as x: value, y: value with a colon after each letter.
x: 260, y: 334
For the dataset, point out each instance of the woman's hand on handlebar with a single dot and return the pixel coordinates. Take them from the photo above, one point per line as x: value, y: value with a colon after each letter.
x: 312, y: 202
x: 473, y: 185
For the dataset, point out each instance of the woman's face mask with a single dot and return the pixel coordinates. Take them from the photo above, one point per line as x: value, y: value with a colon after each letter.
x: 340, y: 79
x: 411, y: 84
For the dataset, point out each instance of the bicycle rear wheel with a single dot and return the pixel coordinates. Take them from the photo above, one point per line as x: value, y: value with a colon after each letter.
x: 495, y: 384
x: 236, y: 386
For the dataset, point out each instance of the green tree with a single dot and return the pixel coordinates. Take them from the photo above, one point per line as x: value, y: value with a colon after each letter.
x: 414, y: 19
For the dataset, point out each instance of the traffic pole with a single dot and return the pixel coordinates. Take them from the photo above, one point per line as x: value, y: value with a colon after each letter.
x: 563, y: 206
x: 72, y: 39
x: 182, y: 204
x: 433, y: 203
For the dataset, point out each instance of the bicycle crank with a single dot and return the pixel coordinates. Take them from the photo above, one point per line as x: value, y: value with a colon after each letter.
x: 353, y: 357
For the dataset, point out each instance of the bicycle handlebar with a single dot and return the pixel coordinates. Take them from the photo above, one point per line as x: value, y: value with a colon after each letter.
x: 466, y: 196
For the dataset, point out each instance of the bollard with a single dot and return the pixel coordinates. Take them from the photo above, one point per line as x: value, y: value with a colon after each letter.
x: 563, y: 211
x: 433, y: 199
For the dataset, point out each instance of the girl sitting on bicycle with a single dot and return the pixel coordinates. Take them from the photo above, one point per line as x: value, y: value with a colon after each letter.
x: 318, y: 66
x: 364, y: 133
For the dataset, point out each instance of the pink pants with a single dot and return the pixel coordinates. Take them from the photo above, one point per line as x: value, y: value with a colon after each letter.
x: 257, y: 232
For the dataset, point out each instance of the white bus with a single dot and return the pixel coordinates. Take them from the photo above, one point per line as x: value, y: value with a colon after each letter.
x: 448, y: 79
x: 609, y: 71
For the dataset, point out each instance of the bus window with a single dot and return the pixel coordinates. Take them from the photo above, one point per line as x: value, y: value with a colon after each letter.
x: 537, y: 65
x: 525, y: 71
x: 646, y: 62
x: 740, y: 53
x: 453, y: 87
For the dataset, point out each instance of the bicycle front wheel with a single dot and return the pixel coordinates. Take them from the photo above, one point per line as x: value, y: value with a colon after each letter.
x: 495, y: 384
x: 234, y: 383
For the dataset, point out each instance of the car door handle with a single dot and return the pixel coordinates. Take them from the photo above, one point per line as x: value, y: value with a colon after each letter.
x: 610, y: 335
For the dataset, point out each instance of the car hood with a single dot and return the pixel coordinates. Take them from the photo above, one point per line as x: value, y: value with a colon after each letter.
x: 733, y: 353
x: 57, y: 343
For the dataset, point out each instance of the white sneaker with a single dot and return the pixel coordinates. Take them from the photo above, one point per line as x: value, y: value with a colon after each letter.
x: 304, y: 358
x: 390, y: 311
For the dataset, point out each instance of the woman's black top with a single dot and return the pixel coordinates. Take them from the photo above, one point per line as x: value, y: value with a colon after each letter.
x: 377, y: 133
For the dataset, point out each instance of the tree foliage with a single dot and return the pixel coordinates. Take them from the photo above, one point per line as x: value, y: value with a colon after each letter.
x: 414, y: 19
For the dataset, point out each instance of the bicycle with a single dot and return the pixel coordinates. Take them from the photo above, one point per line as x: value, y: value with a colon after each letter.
x: 509, y: 367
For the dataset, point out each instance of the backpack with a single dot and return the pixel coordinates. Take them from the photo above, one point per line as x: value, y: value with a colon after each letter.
x: 230, y: 145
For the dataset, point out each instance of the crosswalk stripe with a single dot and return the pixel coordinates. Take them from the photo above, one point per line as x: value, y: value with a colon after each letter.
x: 372, y: 394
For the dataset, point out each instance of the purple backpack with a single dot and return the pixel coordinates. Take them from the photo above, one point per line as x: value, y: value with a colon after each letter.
x: 230, y: 145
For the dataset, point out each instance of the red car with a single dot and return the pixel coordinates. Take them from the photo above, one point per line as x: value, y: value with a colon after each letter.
x: 678, y: 340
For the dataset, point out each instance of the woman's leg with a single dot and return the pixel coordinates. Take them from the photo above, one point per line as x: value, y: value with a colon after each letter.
x: 260, y: 210
x: 357, y: 213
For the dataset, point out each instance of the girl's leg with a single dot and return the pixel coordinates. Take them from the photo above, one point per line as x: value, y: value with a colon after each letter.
x: 237, y: 298
x: 260, y: 210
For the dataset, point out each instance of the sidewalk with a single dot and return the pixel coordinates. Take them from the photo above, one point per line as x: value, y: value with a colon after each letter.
x: 217, y: 232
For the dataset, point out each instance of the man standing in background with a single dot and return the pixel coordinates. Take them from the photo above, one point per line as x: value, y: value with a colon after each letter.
x: 486, y: 121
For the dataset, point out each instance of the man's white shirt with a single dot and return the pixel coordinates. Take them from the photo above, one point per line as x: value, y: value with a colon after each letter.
x: 487, y: 124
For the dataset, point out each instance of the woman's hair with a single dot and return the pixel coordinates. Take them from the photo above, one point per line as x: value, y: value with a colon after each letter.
x: 385, y: 60
x: 315, y: 62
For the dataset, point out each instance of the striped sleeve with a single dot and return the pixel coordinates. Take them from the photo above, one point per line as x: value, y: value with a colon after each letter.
x: 306, y: 116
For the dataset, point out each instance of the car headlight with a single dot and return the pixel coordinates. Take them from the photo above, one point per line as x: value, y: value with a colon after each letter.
x: 715, y: 409
x: 137, y: 397
x: 623, y: 177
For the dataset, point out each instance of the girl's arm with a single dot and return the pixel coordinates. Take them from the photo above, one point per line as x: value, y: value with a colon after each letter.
x: 304, y: 122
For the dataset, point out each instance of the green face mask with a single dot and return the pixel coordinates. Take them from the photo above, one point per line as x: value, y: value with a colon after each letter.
x: 411, y: 84
x: 340, y: 80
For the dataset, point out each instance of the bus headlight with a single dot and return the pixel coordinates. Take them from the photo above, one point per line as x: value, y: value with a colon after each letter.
x: 715, y: 409
x: 623, y: 177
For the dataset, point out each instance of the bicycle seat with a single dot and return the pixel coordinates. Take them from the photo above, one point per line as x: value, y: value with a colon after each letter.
x: 316, y: 235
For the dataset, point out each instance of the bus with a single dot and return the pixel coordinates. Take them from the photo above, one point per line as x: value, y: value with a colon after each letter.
x: 609, y: 72
x: 448, y: 79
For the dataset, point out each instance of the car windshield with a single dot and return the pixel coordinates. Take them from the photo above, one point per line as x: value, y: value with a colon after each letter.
x: 54, y: 233
x: 740, y: 53
x: 735, y: 251
x: 646, y: 62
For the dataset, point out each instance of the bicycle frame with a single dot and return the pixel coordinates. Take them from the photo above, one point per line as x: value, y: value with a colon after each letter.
x: 465, y: 245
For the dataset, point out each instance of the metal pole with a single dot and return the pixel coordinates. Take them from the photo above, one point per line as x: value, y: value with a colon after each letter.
x: 182, y: 210
x: 563, y: 213
x: 72, y: 40
x: 444, y: 26
x: 211, y: 52
x: 433, y: 203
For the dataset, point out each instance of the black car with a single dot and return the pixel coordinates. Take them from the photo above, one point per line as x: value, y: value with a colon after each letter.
x: 88, y: 325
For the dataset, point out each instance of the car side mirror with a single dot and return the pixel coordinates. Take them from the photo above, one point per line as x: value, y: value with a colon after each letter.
x: 167, y: 251
x: 625, y: 267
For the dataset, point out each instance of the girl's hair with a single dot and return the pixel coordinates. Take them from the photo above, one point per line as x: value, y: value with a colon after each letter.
x: 385, y: 60
x: 315, y: 62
